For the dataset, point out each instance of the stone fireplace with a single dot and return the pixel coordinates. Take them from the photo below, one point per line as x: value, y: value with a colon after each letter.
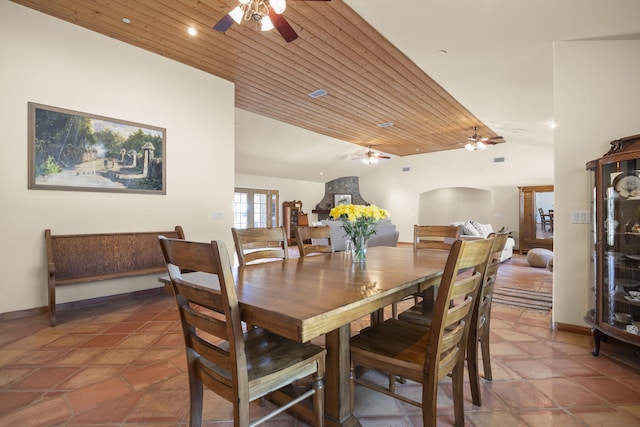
x: 341, y: 188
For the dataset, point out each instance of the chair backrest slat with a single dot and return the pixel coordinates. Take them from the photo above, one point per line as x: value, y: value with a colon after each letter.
x: 253, y: 244
x: 306, y: 235
x: 435, y: 236
x: 205, y: 322
x: 214, y: 354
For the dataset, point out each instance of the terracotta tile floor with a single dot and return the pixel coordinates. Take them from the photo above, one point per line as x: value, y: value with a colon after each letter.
x: 122, y: 363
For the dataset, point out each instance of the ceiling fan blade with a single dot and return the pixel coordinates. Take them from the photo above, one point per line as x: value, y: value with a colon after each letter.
x: 224, y: 24
x: 493, y: 140
x: 380, y: 156
x: 286, y: 31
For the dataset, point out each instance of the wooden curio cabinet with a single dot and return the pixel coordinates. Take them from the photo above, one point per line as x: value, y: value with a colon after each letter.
x: 536, y: 218
x: 292, y: 216
x: 615, y: 240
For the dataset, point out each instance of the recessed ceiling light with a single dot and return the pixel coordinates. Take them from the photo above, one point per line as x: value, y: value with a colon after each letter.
x: 126, y: 20
x: 385, y: 124
x: 192, y: 31
x: 552, y: 124
x: 318, y: 93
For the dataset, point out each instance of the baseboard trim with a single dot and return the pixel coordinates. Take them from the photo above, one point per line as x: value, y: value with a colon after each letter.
x: 574, y: 329
x: 73, y: 305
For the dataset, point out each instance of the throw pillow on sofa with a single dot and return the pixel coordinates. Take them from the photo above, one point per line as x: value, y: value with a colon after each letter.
x: 483, y: 229
x: 468, y: 229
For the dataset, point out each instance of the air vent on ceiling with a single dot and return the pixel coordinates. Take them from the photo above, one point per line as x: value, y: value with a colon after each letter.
x: 318, y: 93
x: 498, y: 160
x: 385, y: 124
x: 406, y: 169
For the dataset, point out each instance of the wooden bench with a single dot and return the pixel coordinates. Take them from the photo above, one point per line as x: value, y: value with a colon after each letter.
x: 81, y: 258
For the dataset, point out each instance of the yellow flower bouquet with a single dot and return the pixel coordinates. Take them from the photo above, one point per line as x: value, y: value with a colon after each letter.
x: 359, y: 223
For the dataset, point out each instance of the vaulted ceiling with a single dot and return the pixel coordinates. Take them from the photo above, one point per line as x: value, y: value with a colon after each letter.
x: 368, y: 80
x: 372, y: 57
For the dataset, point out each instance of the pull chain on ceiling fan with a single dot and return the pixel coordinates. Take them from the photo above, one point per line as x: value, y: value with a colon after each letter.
x: 267, y: 13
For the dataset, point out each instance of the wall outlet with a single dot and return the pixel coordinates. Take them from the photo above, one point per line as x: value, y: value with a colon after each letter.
x: 580, y: 217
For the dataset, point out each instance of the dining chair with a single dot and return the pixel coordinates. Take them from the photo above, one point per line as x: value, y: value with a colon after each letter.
x: 240, y: 366
x: 430, y: 237
x: 545, y: 219
x: 427, y: 354
x: 480, y: 319
x: 312, y: 240
x: 260, y: 244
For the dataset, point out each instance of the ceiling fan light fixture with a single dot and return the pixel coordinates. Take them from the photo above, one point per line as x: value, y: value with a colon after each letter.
x: 475, y: 146
x: 370, y: 160
x: 278, y: 6
x: 237, y: 14
x: 266, y: 24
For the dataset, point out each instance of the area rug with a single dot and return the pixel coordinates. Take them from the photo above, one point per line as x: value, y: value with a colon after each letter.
x: 523, y: 298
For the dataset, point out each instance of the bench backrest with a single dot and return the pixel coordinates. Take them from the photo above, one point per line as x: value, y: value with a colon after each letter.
x: 105, y: 255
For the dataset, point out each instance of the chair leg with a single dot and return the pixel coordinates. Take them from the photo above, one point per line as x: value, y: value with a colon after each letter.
x: 352, y: 388
x: 318, y: 400
x: 472, y: 367
x: 457, y: 382
x: 486, y: 355
x: 196, y: 400
x: 429, y: 402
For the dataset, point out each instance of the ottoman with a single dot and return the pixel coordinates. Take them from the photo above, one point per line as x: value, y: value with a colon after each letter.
x: 539, y: 257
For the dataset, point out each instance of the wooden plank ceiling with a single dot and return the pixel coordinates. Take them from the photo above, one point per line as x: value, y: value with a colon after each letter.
x: 369, y: 81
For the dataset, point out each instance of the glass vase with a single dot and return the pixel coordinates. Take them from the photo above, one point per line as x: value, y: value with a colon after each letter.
x: 358, y: 249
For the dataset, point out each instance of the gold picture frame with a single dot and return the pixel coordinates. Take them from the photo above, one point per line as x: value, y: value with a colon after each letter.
x: 75, y: 151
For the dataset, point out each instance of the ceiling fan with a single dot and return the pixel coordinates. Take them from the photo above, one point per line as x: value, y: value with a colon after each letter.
x: 476, y: 142
x: 267, y: 13
x: 371, y: 157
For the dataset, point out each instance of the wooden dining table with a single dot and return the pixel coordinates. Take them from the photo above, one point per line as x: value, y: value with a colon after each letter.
x: 304, y: 298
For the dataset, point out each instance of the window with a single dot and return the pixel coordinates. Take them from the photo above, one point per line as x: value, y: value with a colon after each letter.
x: 253, y: 208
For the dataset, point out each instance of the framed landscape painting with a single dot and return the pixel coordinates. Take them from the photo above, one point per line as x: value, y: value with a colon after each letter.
x: 70, y: 150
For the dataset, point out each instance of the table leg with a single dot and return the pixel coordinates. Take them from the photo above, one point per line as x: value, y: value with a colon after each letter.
x: 337, y: 378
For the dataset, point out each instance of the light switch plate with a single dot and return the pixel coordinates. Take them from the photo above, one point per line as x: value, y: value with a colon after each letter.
x: 580, y: 217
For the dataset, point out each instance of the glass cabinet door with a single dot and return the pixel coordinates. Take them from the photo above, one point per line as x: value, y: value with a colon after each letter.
x: 593, y: 249
x: 621, y: 245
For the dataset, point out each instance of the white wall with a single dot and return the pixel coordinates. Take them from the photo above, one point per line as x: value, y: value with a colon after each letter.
x: 48, y: 61
x: 446, y: 205
x: 597, y: 100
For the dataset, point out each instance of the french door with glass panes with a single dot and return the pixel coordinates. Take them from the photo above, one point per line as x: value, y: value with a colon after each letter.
x: 254, y: 208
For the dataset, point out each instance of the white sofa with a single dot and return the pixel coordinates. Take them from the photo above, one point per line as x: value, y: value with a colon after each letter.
x: 471, y: 230
x: 386, y: 234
